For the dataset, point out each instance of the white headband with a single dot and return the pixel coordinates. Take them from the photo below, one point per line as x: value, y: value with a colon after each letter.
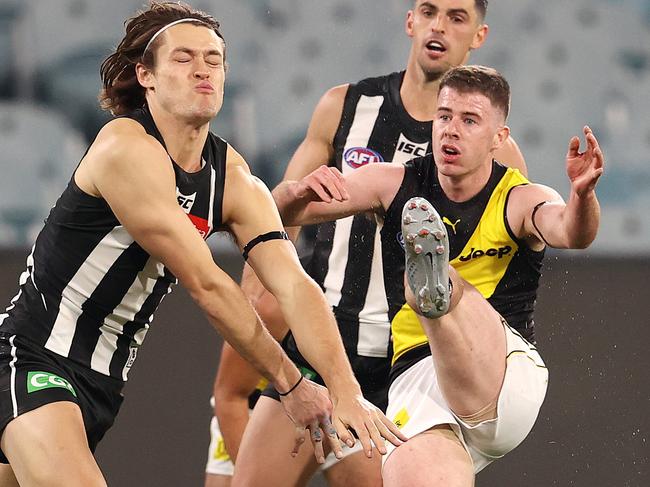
x: 165, y: 27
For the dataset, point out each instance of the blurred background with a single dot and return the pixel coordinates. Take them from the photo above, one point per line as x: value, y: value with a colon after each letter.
x: 568, y: 63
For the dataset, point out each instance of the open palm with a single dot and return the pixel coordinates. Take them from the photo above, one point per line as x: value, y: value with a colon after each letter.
x: 584, y: 168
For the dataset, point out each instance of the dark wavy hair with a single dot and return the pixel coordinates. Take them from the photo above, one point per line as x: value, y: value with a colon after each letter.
x: 479, y: 79
x: 121, y: 91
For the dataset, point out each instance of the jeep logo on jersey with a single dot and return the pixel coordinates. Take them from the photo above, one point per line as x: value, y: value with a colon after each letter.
x: 405, y: 146
x: 476, y: 253
x: 185, y: 201
x: 38, y: 381
x: 360, y: 156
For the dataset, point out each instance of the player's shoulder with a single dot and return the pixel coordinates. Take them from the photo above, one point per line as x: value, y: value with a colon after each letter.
x: 238, y: 173
x: 123, y: 139
x: 333, y: 99
x: 421, y: 165
x: 377, y: 85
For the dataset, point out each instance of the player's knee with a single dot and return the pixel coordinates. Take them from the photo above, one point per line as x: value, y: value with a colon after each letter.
x: 441, y: 461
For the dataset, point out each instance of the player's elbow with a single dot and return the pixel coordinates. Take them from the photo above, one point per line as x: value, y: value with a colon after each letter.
x: 209, y: 289
x: 294, y: 288
x: 582, y: 242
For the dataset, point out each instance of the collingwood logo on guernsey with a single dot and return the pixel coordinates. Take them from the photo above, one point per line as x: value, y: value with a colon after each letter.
x: 356, y: 157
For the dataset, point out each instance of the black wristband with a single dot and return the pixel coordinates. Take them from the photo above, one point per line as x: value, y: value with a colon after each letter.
x: 292, y: 389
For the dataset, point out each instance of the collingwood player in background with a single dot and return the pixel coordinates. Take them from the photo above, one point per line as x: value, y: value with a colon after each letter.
x: 117, y: 240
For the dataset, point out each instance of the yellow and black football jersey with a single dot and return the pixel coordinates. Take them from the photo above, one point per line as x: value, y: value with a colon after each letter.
x: 483, y: 249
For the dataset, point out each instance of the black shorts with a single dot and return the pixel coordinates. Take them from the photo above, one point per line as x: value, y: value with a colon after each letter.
x: 371, y: 372
x: 31, y: 376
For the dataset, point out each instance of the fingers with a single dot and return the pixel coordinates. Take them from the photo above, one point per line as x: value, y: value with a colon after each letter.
x: 332, y: 437
x: 574, y: 147
x: 390, y: 431
x: 344, y: 434
x: 366, y: 435
x: 596, y: 151
x: 299, y: 439
x: 328, y: 183
x: 317, y: 441
x: 594, y: 154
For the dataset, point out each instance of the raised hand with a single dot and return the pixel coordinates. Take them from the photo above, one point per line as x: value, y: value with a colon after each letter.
x: 584, y: 168
x: 324, y: 184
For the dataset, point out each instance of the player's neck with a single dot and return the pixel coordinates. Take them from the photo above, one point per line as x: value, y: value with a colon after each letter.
x: 184, y: 141
x: 464, y: 187
x: 419, y: 93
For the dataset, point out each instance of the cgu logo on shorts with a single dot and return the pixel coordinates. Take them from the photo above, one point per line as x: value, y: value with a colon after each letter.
x: 38, y: 381
x: 475, y: 254
x: 360, y: 156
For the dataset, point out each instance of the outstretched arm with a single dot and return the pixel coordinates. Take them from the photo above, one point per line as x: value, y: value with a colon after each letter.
x: 325, y: 194
x: 249, y: 211
x: 547, y: 219
x: 315, y: 150
x: 236, y: 380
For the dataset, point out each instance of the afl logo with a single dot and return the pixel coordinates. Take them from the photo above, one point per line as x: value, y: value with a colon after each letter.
x: 360, y: 156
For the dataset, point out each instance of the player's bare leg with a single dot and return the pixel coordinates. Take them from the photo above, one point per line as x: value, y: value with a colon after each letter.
x: 48, y: 447
x: 214, y: 480
x: 434, y: 458
x: 269, y: 431
x: 355, y: 469
x: 7, y: 477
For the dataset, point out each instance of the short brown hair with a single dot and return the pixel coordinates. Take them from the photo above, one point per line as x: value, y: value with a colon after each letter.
x: 121, y: 92
x: 481, y: 8
x: 479, y: 5
x: 479, y: 79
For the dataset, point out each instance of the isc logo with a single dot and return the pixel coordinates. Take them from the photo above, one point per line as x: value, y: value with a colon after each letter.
x: 410, y: 148
x: 356, y: 157
x: 476, y: 253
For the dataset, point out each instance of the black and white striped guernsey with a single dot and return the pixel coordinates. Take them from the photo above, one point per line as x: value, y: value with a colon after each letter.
x: 348, y: 261
x: 89, y: 291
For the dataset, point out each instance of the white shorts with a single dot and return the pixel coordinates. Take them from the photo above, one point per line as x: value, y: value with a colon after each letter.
x: 416, y: 403
x: 219, y: 462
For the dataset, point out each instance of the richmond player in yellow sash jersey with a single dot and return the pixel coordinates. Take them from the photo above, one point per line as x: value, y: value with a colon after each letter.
x: 467, y: 380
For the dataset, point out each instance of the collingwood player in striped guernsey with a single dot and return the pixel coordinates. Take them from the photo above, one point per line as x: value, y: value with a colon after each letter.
x: 152, y: 186
x: 462, y: 359
x: 376, y: 120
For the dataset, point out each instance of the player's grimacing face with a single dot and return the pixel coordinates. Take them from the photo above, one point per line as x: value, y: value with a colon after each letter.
x: 443, y: 32
x: 466, y: 129
x: 190, y: 72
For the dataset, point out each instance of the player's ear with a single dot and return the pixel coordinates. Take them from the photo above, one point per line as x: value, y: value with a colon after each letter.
x: 144, y: 75
x: 408, y: 26
x: 479, y: 36
x: 500, y: 137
